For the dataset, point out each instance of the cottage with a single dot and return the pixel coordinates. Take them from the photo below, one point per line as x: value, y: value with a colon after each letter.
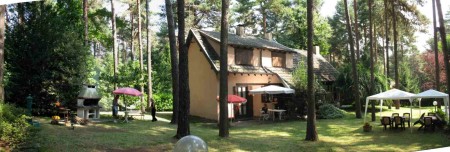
x: 252, y: 63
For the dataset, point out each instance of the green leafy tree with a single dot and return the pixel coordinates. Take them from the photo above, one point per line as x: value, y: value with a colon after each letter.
x: 53, y: 62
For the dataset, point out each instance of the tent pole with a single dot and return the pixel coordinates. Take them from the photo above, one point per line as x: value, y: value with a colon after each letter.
x: 420, y: 103
x: 446, y: 107
x: 381, y: 107
x: 410, y: 115
x: 365, y: 111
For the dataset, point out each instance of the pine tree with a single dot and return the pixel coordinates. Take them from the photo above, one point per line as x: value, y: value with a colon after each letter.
x: 174, y: 62
x: 224, y: 123
x: 311, y: 132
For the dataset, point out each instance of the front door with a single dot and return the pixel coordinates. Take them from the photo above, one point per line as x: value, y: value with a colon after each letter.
x: 244, y: 110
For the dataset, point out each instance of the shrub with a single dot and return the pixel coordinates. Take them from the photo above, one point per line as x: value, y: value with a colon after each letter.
x: 14, y: 127
x: 329, y: 111
x: 440, y: 113
x: 163, y: 101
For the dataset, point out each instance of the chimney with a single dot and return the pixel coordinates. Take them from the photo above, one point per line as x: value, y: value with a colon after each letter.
x: 268, y: 36
x: 240, y: 30
x: 316, y: 50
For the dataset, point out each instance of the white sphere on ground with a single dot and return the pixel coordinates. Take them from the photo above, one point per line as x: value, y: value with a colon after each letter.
x: 191, y: 144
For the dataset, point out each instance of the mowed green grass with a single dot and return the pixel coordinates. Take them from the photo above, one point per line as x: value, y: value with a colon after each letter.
x: 334, y: 135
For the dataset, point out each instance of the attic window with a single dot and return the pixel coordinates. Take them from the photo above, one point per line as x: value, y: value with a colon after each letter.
x: 243, y: 56
x: 278, y: 59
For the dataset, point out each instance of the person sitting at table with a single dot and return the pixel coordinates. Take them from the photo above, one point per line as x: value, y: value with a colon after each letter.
x: 265, y: 109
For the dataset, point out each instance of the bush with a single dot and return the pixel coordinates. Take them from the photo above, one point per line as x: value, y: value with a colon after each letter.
x: 329, y: 111
x: 14, y: 127
x: 163, y: 101
x: 440, y: 113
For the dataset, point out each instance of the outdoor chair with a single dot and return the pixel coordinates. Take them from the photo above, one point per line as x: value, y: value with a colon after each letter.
x: 399, y: 122
x: 386, y: 121
x: 420, y: 121
x: 428, y: 123
x: 393, y: 115
x: 407, y: 118
x: 264, y: 116
x: 431, y: 114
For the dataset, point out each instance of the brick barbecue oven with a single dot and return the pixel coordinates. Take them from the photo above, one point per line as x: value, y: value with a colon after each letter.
x: 87, y: 103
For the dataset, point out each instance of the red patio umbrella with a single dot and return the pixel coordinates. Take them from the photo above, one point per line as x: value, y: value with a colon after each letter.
x: 234, y: 99
x: 127, y: 91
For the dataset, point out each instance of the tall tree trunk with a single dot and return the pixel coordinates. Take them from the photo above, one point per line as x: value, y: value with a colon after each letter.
x: 132, y: 33
x: 2, y: 49
x: 224, y: 123
x: 372, y: 79
x: 116, y: 56
x: 384, y: 57
x: 311, y: 132
x: 184, y: 103
x: 375, y: 38
x: 264, y: 15
x: 394, y: 27
x: 21, y: 14
x: 141, y: 54
x: 95, y: 49
x: 435, y: 47
x: 355, y: 9
x: 124, y: 55
x: 355, y: 86
x: 444, y: 43
x: 149, y: 56
x: 386, y: 30
x: 85, y: 17
x: 174, y: 61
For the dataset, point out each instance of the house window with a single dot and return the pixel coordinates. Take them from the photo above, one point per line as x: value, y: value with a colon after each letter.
x: 278, y: 59
x: 243, y: 56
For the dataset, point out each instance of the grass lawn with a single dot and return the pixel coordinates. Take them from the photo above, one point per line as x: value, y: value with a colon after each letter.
x: 334, y: 135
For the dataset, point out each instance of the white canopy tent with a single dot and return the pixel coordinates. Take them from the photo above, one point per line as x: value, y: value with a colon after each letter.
x: 434, y: 94
x: 272, y: 89
x: 393, y: 94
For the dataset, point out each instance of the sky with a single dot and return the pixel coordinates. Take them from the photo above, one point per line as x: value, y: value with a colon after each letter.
x: 328, y: 9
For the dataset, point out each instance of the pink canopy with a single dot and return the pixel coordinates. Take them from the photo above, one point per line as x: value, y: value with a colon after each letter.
x: 234, y: 99
x: 127, y: 91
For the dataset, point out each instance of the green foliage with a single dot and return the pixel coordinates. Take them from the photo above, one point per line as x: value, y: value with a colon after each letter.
x: 14, y: 128
x: 408, y: 80
x: 129, y: 75
x: 329, y: 111
x: 344, y: 81
x: 300, y: 77
x: 286, y: 19
x: 45, y: 56
x: 164, y: 101
x: 440, y: 113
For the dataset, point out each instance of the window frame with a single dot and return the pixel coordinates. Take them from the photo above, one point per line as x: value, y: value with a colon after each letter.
x: 239, y: 59
x: 281, y: 55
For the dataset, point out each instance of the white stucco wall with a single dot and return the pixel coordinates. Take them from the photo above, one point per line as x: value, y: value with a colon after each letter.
x: 266, y: 58
x: 289, y: 60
